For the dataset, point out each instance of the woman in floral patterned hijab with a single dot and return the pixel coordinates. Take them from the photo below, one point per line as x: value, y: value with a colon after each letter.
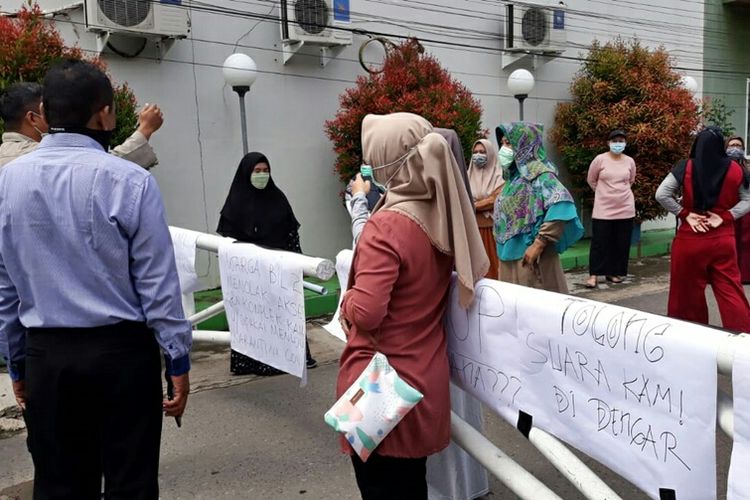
x: 535, y: 217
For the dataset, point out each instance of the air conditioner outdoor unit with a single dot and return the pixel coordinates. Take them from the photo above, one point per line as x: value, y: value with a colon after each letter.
x: 144, y: 18
x: 314, y: 21
x: 537, y: 28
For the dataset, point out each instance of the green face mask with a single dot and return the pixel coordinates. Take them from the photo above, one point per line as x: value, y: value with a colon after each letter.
x: 260, y: 180
x: 506, y: 156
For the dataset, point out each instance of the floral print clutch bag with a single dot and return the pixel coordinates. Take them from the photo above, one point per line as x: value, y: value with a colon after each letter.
x: 370, y: 409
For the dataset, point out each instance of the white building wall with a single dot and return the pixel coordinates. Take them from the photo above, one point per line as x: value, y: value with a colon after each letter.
x: 199, y: 146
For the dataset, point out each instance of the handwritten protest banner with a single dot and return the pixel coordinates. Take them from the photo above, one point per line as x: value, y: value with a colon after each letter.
x: 739, y: 489
x: 479, y: 360
x: 636, y: 391
x: 184, y: 253
x: 265, y: 305
x: 633, y: 390
x: 343, y: 264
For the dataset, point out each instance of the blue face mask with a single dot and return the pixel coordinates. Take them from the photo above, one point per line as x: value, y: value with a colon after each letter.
x: 736, y: 153
x: 479, y: 160
x: 617, y: 147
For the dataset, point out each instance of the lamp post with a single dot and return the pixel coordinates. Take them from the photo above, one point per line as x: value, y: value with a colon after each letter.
x: 690, y: 83
x: 520, y: 84
x: 240, y: 73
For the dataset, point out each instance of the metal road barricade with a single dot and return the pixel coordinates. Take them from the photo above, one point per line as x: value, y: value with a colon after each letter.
x: 498, y: 463
x: 314, y: 267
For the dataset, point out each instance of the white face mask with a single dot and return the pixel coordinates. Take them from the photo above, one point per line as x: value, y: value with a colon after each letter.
x: 402, y: 159
x: 41, y: 134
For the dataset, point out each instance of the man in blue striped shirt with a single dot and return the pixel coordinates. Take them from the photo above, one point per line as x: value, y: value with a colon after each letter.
x: 88, y: 294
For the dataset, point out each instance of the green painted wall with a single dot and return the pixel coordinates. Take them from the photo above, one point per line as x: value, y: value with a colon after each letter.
x: 727, y: 49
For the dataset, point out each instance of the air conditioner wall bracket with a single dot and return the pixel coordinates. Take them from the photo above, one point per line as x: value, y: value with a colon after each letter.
x: 163, y: 45
x: 290, y: 49
x: 532, y: 61
x: 327, y: 54
x: 102, y: 39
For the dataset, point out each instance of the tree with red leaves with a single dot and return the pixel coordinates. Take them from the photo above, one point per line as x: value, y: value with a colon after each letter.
x: 627, y: 86
x: 411, y: 81
x: 29, y: 45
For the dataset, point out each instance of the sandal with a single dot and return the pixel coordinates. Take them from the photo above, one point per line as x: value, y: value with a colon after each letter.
x: 614, y: 279
x: 590, y: 285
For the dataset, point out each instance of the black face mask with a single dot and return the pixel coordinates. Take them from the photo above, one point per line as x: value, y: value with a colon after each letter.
x: 103, y: 137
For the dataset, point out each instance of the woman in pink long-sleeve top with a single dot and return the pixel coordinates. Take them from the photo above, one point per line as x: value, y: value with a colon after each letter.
x: 422, y: 230
x: 611, y: 176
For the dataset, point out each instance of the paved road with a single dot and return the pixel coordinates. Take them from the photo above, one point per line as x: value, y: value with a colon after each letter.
x: 246, y: 438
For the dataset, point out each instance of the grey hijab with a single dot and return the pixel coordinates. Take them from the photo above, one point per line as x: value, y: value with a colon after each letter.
x: 454, y: 142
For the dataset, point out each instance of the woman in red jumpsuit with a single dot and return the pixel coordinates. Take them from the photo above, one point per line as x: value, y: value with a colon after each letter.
x: 715, y: 194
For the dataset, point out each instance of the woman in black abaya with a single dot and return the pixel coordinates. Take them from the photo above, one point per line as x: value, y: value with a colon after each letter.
x: 258, y: 212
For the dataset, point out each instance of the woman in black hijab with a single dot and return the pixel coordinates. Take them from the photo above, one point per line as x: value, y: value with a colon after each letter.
x: 258, y: 212
x: 715, y: 194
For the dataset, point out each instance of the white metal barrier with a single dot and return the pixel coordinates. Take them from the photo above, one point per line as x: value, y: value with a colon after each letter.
x: 516, y: 478
x: 323, y: 269
x: 499, y: 464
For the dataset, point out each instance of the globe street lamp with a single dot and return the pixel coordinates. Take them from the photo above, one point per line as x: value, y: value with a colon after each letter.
x: 240, y: 73
x: 690, y: 83
x: 520, y: 84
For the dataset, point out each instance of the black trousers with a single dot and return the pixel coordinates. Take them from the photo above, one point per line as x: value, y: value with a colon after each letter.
x: 391, y: 478
x: 610, y: 247
x: 94, y: 409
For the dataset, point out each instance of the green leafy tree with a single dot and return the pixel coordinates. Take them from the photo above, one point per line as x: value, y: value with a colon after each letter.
x: 127, y: 116
x: 626, y: 85
x: 715, y: 112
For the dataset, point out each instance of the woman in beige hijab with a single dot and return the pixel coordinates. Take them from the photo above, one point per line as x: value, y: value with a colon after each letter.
x: 486, y: 181
x: 421, y: 230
